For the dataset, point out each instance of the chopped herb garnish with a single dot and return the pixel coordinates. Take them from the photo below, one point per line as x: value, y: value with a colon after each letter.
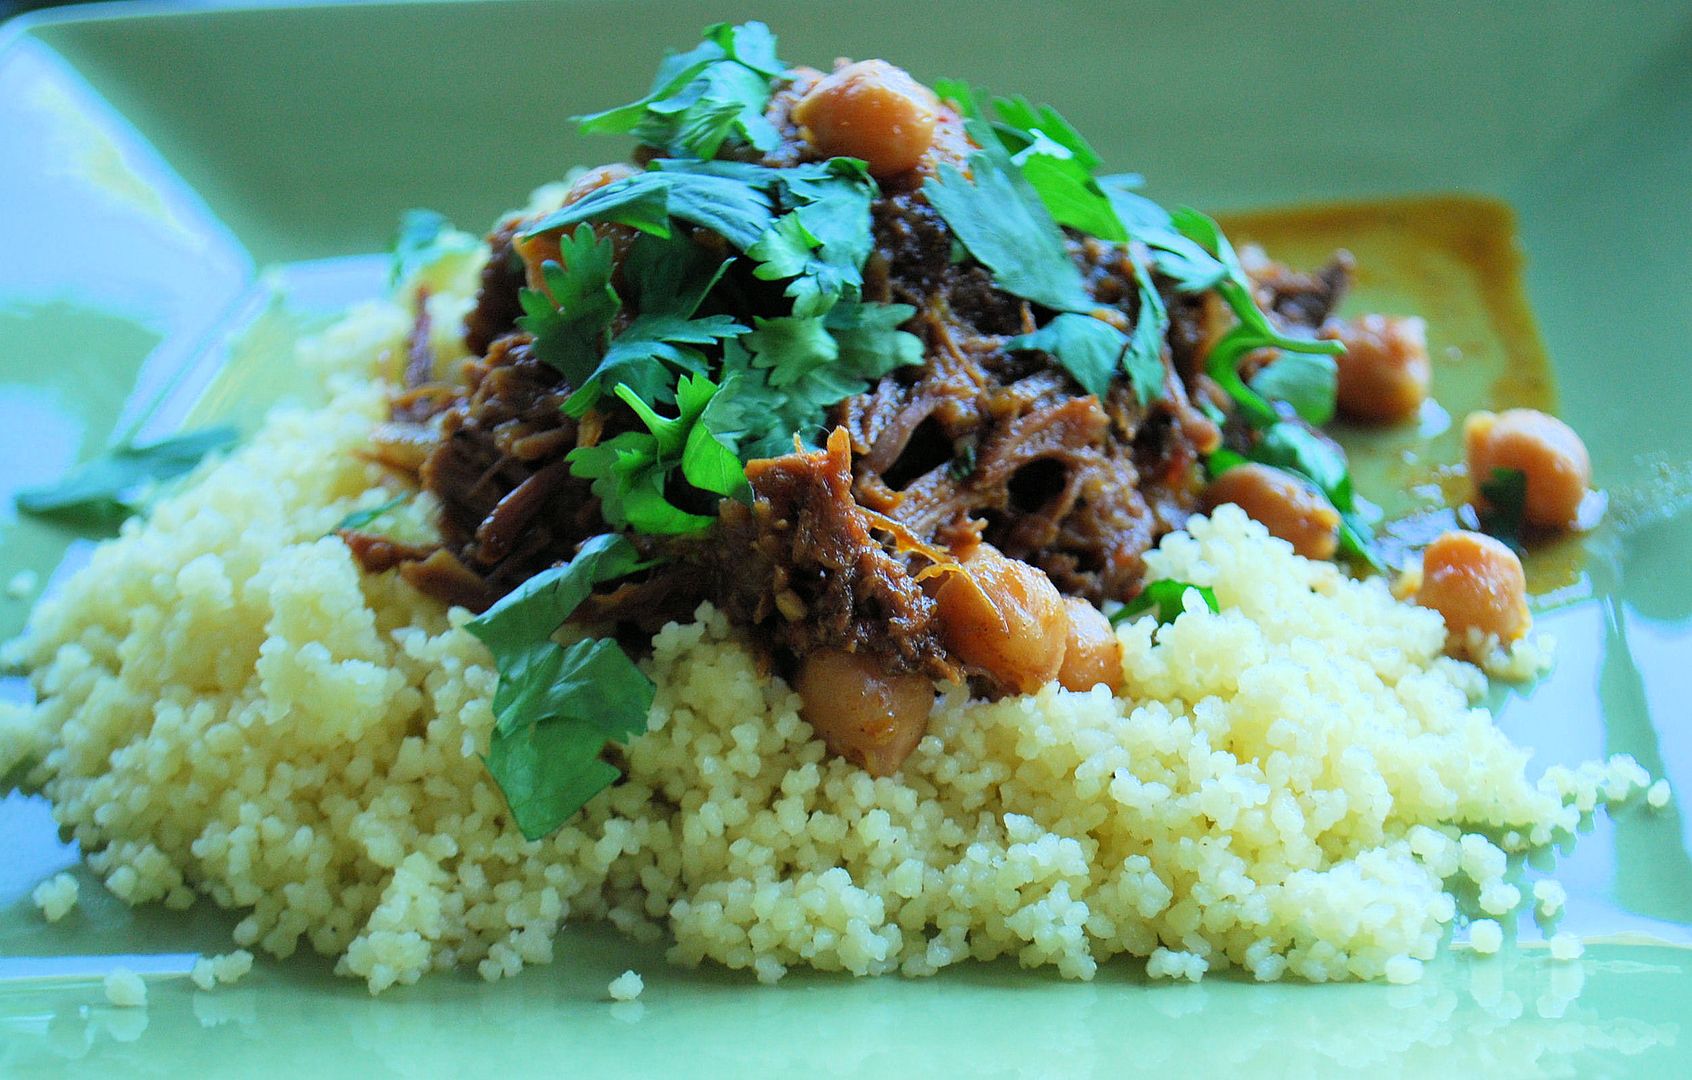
x: 1166, y: 600
x: 571, y: 318
x: 1089, y: 349
x: 631, y: 471
x: 823, y: 242
x: 1253, y: 330
x: 109, y: 488
x: 713, y: 94
x: 1505, y: 509
x: 791, y: 370
x: 556, y: 707
x: 1306, y: 381
x: 1298, y: 450
x: 1056, y: 160
x: 724, y: 201
x: 646, y: 356
x: 358, y: 519
x: 1002, y: 221
x: 962, y: 466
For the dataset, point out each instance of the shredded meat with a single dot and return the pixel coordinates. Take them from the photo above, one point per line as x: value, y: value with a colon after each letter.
x: 802, y: 565
x: 978, y: 443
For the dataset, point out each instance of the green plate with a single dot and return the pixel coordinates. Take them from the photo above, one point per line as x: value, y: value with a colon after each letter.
x: 170, y: 179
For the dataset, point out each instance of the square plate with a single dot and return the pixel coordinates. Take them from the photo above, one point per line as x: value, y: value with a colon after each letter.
x: 167, y: 172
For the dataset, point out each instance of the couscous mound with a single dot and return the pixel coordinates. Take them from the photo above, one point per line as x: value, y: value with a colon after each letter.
x: 228, y: 707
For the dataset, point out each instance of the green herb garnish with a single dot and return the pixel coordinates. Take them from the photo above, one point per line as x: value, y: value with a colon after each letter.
x: 713, y: 94
x: 102, y: 492
x: 1505, y: 510
x: 1165, y: 600
x: 735, y: 203
x: 822, y: 243
x: 630, y: 471
x: 556, y: 706
x: 1306, y: 381
x: 358, y: 519
x: 790, y: 371
x: 1001, y: 220
x: 1092, y: 351
x: 570, y: 320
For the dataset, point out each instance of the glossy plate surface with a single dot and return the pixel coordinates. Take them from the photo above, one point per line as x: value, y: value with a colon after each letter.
x: 169, y: 179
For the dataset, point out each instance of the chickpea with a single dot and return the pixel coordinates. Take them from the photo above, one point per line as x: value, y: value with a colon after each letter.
x: 870, y: 110
x: 1549, y: 454
x: 1005, y: 617
x: 1287, y: 506
x: 1475, y: 583
x: 1384, y: 372
x: 862, y: 713
x: 596, y: 178
x: 1092, y: 654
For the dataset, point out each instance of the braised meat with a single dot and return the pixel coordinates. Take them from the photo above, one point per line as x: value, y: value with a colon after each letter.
x: 837, y: 548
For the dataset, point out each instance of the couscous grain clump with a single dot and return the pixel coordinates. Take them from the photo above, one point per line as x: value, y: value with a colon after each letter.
x: 228, y: 707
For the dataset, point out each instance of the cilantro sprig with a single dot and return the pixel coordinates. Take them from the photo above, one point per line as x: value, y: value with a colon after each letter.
x: 780, y: 379
x: 1166, y: 600
x: 1093, y: 351
x: 1058, y: 163
x: 101, y: 492
x: 631, y: 471
x: 821, y: 244
x: 1001, y: 220
x: 712, y: 95
x: 1503, y: 513
x: 555, y: 707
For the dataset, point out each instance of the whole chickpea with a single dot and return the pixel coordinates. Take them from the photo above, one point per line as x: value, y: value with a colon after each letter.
x: 862, y: 713
x: 1005, y: 617
x: 1551, y: 457
x: 1384, y: 371
x: 1092, y: 654
x: 870, y: 110
x: 1476, y: 583
x: 1285, y: 505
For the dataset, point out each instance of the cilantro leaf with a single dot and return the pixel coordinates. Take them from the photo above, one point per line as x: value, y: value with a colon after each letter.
x: 556, y: 707
x: 358, y: 519
x: 781, y: 383
x: 1165, y: 599
x: 630, y: 472
x: 1504, y: 512
x: 1253, y: 330
x: 1001, y: 221
x: 823, y: 242
x: 105, y: 490
x: 712, y: 94
x: 1144, y: 359
x: 570, y: 318
x: 730, y: 204
x: 1176, y: 257
x: 1088, y: 348
x: 1055, y: 159
x: 670, y: 275
x: 792, y: 347
x: 646, y: 355
x: 1306, y: 381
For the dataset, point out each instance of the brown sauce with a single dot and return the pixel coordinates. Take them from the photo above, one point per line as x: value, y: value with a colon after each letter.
x: 1456, y: 261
